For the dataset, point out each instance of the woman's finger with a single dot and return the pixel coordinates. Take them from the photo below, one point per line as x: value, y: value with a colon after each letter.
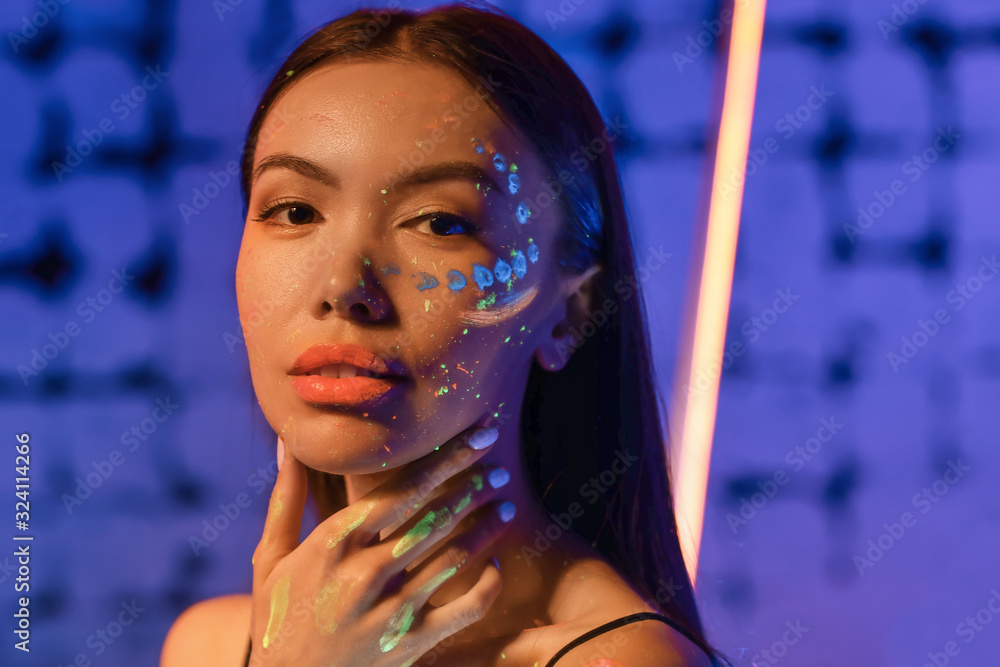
x: 455, y: 556
x: 444, y: 621
x: 284, y: 515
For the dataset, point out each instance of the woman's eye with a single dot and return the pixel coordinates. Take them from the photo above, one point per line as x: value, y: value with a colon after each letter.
x: 297, y: 213
x: 445, y: 224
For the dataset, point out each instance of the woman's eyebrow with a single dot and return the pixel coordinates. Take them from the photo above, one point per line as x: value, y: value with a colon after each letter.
x: 440, y: 171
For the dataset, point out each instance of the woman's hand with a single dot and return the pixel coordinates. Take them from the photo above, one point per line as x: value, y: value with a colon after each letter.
x: 343, y: 596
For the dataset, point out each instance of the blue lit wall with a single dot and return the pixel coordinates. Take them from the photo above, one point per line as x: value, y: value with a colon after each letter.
x: 870, y: 217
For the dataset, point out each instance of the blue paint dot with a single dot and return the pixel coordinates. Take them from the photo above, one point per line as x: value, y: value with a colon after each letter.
x: 520, y: 264
x: 533, y: 253
x: 429, y: 281
x: 390, y: 268
x: 482, y: 276
x: 499, y: 163
x: 456, y: 280
x: 523, y: 212
x: 513, y: 183
x: 502, y: 271
x: 477, y: 145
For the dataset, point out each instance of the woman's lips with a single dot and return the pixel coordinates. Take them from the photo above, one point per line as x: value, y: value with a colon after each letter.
x: 352, y: 391
x: 344, y: 374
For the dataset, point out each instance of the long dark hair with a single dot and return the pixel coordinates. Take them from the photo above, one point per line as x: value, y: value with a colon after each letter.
x: 599, y: 418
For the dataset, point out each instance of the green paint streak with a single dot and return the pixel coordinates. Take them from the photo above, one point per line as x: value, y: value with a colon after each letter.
x: 279, y: 605
x: 507, y: 339
x: 462, y: 504
x: 438, y: 580
x: 465, y: 332
x: 398, y: 626
x: 420, y: 530
x: 478, y: 481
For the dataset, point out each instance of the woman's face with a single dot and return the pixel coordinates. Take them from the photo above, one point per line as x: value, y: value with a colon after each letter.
x: 384, y: 213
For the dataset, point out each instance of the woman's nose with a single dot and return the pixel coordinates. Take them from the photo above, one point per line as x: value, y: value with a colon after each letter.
x: 364, y: 301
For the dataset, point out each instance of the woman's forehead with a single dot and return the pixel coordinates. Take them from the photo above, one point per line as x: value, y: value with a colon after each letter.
x: 388, y: 112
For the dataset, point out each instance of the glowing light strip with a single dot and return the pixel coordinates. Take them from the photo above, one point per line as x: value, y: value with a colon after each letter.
x: 707, y: 337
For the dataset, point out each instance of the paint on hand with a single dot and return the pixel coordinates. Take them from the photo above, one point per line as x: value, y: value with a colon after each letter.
x: 428, y: 281
x: 399, y: 624
x: 335, y: 539
x: 326, y: 607
x: 279, y: 605
x: 420, y: 530
x: 438, y: 580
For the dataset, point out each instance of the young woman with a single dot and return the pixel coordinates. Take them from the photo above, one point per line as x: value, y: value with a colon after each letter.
x: 436, y: 287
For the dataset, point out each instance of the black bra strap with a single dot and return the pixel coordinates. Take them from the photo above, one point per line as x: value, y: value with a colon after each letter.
x: 617, y: 623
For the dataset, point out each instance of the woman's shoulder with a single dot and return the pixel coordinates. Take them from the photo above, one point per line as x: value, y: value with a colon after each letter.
x: 211, y: 632
x: 590, y: 594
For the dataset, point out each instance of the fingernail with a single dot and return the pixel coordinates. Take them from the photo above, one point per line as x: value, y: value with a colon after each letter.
x: 507, y: 511
x: 498, y: 478
x: 281, y: 452
x: 483, y: 438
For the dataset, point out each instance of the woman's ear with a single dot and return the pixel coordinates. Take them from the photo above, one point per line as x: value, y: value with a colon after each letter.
x: 573, y: 308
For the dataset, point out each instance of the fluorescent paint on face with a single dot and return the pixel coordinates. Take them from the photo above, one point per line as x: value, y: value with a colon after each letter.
x: 439, y: 579
x: 502, y: 270
x: 523, y: 212
x: 513, y: 182
x: 390, y: 268
x: 456, y: 280
x: 481, y: 317
x: 520, y: 264
x: 326, y: 601
x: 533, y: 253
x: 428, y: 281
x: 485, y: 303
x: 420, y: 530
x: 499, y: 162
x: 279, y: 605
x: 482, y: 275
x: 478, y: 145
x: 399, y: 624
